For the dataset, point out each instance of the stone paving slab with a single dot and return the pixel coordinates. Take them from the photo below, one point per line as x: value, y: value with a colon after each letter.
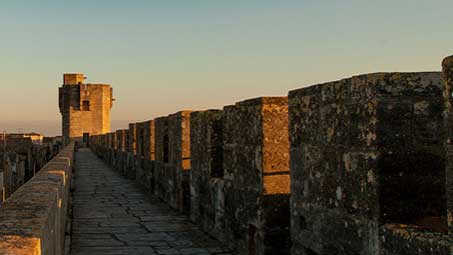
x: 113, y: 216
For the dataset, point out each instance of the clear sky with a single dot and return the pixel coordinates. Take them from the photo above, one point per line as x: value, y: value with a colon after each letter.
x: 164, y: 56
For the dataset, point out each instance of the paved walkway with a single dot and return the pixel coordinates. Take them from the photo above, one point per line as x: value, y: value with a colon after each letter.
x: 113, y: 216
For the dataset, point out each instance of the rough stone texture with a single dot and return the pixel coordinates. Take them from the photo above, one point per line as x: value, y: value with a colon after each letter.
x: 85, y: 108
x: 139, y: 129
x: 172, y: 164
x: 113, y: 216
x: 131, y: 151
x: 447, y: 65
x: 163, y: 173
x: 179, y: 157
x: 113, y: 147
x: 22, y: 160
x: 411, y: 240
x: 121, y: 139
x: 33, y: 219
x: 206, y: 175
x: 370, y: 170
x: 132, y: 139
x: 121, y: 152
x: 257, y: 176
x: 139, y: 158
x: 145, y: 154
x: 13, y: 172
x: 148, y: 138
x: 367, y: 154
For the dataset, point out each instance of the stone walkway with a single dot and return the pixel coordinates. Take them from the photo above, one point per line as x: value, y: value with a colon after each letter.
x: 113, y: 216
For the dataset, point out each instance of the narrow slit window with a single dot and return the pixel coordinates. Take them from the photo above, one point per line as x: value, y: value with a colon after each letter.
x: 86, y: 105
x: 166, y: 149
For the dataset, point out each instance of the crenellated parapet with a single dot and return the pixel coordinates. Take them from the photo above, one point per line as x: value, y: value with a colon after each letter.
x: 256, y: 175
x: 33, y: 219
x: 367, y: 164
x: 356, y: 166
x: 21, y: 158
x: 172, y: 154
x: 206, y: 175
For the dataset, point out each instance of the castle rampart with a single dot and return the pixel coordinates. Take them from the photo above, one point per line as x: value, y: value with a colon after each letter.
x: 33, y: 219
x: 356, y: 166
x: 85, y: 108
x: 366, y: 158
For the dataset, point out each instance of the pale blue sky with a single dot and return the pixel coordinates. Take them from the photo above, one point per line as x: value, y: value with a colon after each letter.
x: 164, y: 56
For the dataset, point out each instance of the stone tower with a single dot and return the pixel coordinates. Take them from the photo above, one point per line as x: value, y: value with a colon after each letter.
x: 85, y: 108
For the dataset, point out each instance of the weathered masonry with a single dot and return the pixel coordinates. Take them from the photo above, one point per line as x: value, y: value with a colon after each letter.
x: 172, y: 163
x: 447, y: 67
x: 20, y: 159
x: 367, y: 163
x: 131, y: 143
x: 360, y: 166
x: 180, y: 159
x: 206, y: 176
x: 33, y: 219
x: 85, y: 108
x: 256, y: 175
x: 145, y: 153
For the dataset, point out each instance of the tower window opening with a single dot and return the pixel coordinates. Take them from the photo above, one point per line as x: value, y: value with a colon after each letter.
x: 86, y: 105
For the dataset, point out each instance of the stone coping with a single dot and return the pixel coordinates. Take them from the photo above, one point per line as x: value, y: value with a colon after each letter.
x: 33, y: 219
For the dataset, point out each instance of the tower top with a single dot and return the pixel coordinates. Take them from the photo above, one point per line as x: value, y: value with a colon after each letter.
x: 73, y: 78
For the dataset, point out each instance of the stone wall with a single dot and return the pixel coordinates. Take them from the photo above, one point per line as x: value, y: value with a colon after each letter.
x: 368, y: 162
x: 121, y: 151
x: 33, y: 219
x: 145, y: 154
x: 206, y: 175
x: 21, y: 161
x: 179, y: 157
x: 256, y: 168
x: 447, y: 66
x: 172, y: 159
x: 131, y: 151
x: 163, y: 174
x: 357, y: 166
x: 187, y: 170
x: 85, y: 108
x: 148, y: 140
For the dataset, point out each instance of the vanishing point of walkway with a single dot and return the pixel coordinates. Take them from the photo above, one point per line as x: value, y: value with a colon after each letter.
x: 113, y: 216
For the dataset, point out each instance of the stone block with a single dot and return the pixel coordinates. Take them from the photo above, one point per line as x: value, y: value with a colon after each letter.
x: 131, y: 151
x: 206, y: 175
x: 33, y: 219
x: 173, y: 154
x: 256, y: 173
x: 447, y: 67
x: 366, y: 152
